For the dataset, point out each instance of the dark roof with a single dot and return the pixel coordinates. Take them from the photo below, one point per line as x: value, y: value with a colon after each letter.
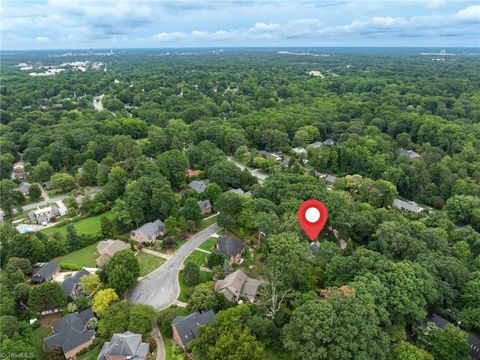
x: 204, y: 203
x: 46, y: 271
x: 229, y: 246
x: 198, y: 185
x: 187, y: 326
x: 314, y: 247
x: 70, y: 331
x: 69, y: 283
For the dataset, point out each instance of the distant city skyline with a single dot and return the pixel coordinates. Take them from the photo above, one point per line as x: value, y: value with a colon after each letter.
x: 76, y: 24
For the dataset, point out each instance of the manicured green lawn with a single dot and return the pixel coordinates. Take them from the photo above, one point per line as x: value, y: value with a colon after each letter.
x: 207, y: 222
x: 84, y: 257
x: 148, y: 263
x: 91, y: 354
x: 209, y: 245
x: 187, y: 290
x: 89, y: 225
x: 198, y: 257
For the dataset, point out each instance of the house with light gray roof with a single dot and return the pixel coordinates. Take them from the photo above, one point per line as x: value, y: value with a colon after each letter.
x: 198, y: 186
x: 238, y: 285
x: 148, y: 233
x: 124, y: 346
x: 410, y: 206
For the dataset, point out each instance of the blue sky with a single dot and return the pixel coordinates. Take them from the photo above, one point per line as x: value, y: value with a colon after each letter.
x: 60, y: 24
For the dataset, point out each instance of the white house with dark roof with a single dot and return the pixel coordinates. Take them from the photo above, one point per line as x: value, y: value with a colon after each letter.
x: 126, y: 346
x: 410, y: 206
x: 44, y: 215
x: 185, y: 328
x: 148, y: 233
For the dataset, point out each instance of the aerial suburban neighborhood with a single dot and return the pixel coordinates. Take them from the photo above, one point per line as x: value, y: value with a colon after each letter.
x: 240, y: 180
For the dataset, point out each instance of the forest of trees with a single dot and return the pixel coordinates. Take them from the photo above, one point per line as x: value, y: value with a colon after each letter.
x: 166, y: 114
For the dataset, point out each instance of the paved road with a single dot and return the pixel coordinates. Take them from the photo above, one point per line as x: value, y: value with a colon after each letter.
x: 160, y: 288
x: 161, y: 354
x: 255, y: 172
x: 91, y: 190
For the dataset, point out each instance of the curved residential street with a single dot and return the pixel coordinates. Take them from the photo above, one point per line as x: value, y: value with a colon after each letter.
x: 160, y: 288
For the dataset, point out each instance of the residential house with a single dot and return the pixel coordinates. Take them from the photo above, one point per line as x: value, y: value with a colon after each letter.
x: 107, y: 248
x: 124, y: 346
x: 473, y: 341
x: 44, y: 215
x: 45, y: 272
x: 329, y: 142
x: 238, y: 285
x: 148, y: 233
x: 314, y: 247
x: 205, y: 206
x: 18, y: 172
x: 48, y: 185
x: 198, y: 186
x: 299, y: 151
x: 231, y: 247
x: 71, y: 284
x: 269, y: 155
x: 185, y: 328
x: 240, y: 192
x: 412, y: 155
x: 410, y: 206
x: 71, y: 334
x: 24, y: 187
x: 330, y: 180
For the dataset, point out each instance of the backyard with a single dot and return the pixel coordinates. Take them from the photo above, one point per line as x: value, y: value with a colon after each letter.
x: 84, y: 257
x: 89, y: 225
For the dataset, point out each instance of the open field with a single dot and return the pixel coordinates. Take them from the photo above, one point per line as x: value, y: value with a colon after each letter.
x: 148, y: 263
x: 84, y: 257
x: 89, y: 225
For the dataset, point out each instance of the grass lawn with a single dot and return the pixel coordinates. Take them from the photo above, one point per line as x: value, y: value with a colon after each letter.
x: 91, y: 354
x: 209, y: 245
x: 171, y: 351
x: 89, y: 225
x: 187, y: 290
x: 198, y: 257
x: 148, y: 262
x: 207, y: 222
x: 38, y: 335
x: 83, y: 257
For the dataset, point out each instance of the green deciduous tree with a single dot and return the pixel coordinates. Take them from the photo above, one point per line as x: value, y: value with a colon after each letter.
x: 191, y: 273
x: 122, y: 270
x: 47, y: 296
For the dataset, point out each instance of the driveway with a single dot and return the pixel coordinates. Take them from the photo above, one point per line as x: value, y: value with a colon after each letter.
x: 255, y: 172
x: 160, y: 288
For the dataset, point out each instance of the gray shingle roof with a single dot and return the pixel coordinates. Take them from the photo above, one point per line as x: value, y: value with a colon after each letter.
x: 151, y: 229
x: 198, y: 185
x: 46, y: 271
x: 187, y: 326
x: 70, y: 331
x: 127, y: 344
x: 407, y: 205
x: 229, y: 246
x: 69, y: 283
x: 329, y: 142
x: 24, y: 187
x: 204, y: 204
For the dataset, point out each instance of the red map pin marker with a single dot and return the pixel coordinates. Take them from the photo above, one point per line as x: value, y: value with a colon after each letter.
x: 312, y: 216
